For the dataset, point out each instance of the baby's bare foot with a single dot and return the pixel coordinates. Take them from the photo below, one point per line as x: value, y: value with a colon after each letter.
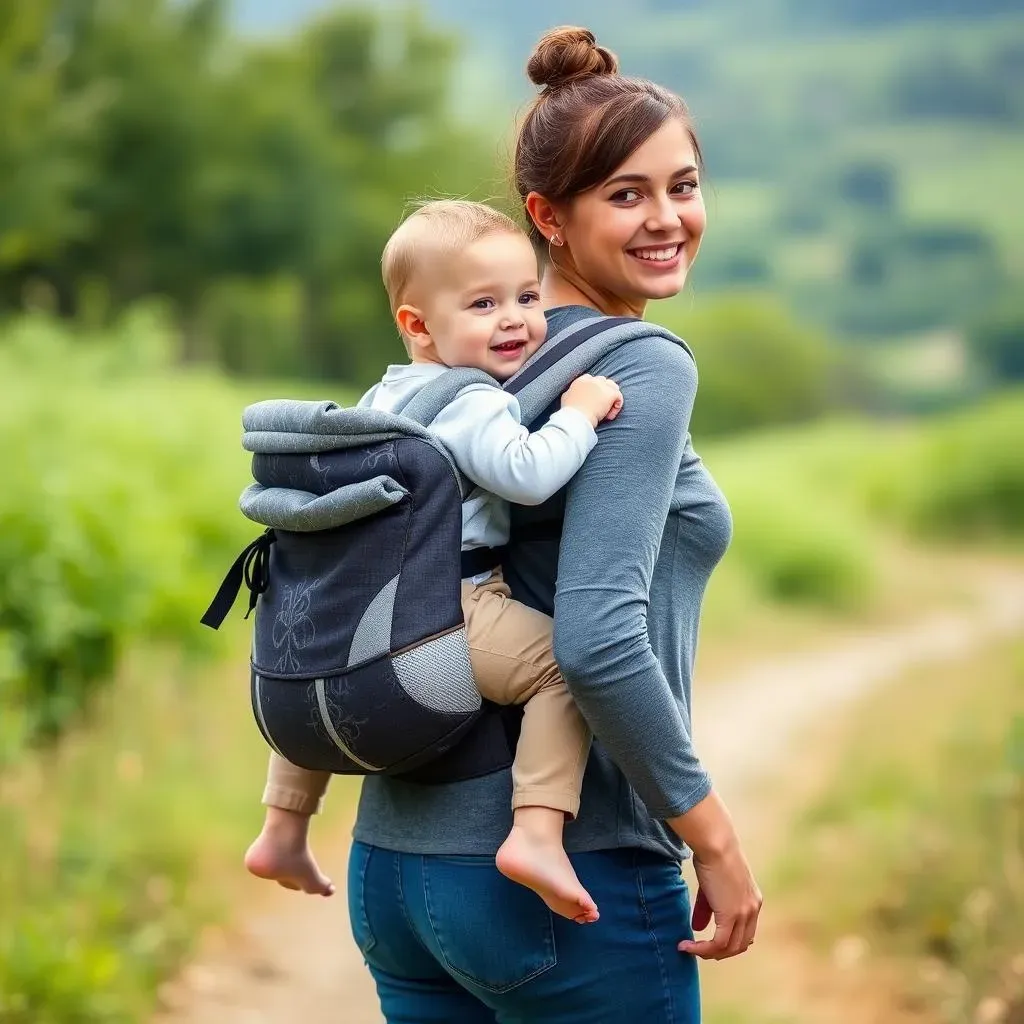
x: 545, y: 868
x: 293, y: 867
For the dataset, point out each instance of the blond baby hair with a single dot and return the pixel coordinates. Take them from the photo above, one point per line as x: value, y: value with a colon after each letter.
x: 435, y: 229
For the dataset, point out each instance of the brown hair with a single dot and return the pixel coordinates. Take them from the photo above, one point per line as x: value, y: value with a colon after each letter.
x: 587, y: 120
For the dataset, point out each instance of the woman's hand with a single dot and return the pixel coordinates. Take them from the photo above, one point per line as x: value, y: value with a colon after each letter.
x: 726, y: 891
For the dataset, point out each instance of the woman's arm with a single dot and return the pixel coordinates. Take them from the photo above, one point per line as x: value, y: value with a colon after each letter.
x: 616, y: 509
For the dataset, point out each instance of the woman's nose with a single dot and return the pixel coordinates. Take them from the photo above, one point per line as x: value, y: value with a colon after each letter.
x: 664, y: 216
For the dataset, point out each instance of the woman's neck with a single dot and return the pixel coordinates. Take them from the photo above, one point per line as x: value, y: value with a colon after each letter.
x: 563, y: 286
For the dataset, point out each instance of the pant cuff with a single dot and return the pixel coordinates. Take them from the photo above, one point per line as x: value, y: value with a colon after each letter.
x: 291, y: 800
x: 545, y: 796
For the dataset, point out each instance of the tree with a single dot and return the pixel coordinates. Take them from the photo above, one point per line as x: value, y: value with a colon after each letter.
x: 43, y: 144
x: 996, y: 343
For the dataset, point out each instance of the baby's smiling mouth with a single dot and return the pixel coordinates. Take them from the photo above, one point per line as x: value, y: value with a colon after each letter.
x: 515, y: 345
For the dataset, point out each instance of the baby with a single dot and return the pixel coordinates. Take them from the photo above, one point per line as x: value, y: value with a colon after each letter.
x: 462, y: 279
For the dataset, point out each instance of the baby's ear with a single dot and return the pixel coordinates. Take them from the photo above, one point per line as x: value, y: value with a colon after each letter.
x: 412, y: 325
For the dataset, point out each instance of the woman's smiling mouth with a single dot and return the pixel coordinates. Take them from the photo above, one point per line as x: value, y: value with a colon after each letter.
x: 657, y: 255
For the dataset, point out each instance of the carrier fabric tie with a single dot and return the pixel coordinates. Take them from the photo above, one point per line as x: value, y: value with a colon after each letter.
x: 251, y: 567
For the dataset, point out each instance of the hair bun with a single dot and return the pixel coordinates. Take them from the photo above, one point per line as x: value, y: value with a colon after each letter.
x: 566, y: 55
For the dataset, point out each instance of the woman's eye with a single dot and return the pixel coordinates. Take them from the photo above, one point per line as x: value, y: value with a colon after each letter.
x: 627, y: 195
x: 685, y: 188
x: 481, y: 304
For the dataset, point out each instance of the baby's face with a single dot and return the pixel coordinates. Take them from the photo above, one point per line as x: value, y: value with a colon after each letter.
x: 484, y: 307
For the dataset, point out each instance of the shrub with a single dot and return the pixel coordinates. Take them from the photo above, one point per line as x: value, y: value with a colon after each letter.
x: 798, y: 549
x: 117, y: 511
x: 962, y: 477
x: 757, y: 366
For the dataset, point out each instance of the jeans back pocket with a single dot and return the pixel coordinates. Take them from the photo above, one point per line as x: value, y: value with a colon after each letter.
x: 358, y: 863
x: 490, y: 932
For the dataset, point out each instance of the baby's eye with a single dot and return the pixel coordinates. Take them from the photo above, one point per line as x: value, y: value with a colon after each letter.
x: 528, y: 298
x: 481, y: 304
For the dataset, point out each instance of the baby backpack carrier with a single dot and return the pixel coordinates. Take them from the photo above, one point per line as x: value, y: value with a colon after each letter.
x: 359, y: 657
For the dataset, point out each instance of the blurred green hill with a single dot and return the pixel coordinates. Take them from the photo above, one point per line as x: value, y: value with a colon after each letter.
x: 862, y: 154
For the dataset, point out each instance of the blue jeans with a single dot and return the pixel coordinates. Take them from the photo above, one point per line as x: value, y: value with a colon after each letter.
x: 449, y: 940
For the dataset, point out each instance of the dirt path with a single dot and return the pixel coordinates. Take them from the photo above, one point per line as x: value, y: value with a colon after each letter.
x: 291, y: 959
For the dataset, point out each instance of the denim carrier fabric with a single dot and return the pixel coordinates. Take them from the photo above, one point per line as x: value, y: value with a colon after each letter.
x: 359, y: 658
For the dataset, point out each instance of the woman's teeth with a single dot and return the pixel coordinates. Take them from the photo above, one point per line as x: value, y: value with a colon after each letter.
x: 657, y: 255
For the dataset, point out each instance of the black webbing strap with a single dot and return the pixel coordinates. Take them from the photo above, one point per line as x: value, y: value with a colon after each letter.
x: 545, y: 529
x: 481, y: 560
x: 251, y: 567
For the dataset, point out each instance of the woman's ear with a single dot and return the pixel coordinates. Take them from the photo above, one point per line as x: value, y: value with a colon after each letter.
x: 413, y: 327
x: 546, y: 217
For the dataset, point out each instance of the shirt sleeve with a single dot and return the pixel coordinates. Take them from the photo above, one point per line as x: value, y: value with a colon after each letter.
x: 483, y: 431
x: 616, y: 510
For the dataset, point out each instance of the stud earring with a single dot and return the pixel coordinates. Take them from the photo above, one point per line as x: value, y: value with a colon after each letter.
x: 556, y: 239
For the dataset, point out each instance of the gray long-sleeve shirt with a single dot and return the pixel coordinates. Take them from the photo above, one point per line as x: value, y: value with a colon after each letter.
x: 644, y: 527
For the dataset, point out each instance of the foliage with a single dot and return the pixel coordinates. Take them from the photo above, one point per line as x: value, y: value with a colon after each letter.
x: 841, y: 116
x: 961, y: 477
x: 798, y: 549
x: 151, y: 152
x: 118, y: 506
x: 123, y: 841
x: 757, y: 366
x: 996, y: 343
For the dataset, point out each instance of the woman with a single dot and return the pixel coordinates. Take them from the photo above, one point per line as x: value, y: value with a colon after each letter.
x: 608, y: 171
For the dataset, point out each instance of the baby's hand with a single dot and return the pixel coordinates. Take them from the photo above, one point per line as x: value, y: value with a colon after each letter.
x: 598, y: 398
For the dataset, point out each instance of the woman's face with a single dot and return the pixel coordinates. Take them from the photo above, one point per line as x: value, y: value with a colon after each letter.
x: 636, y: 235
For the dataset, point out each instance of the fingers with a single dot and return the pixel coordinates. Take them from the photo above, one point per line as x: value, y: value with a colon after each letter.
x: 701, y: 912
x: 731, y: 938
x: 714, y: 948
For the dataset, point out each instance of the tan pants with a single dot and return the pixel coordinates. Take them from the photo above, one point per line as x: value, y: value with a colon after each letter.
x: 510, y: 651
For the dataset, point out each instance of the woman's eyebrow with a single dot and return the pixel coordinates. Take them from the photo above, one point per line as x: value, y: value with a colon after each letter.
x: 644, y: 179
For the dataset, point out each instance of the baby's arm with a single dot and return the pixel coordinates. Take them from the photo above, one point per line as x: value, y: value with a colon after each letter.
x: 482, y: 430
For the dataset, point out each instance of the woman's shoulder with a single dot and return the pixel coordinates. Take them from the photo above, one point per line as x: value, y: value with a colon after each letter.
x: 650, y: 353
x: 649, y: 345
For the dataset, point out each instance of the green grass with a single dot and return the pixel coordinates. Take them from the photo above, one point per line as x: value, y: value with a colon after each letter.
x: 916, y: 840
x: 126, y: 839
x: 105, y: 873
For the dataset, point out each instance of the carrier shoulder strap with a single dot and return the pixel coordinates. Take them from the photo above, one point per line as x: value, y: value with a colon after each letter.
x: 574, y: 350
x: 552, y: 368
x: 427, y: 403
